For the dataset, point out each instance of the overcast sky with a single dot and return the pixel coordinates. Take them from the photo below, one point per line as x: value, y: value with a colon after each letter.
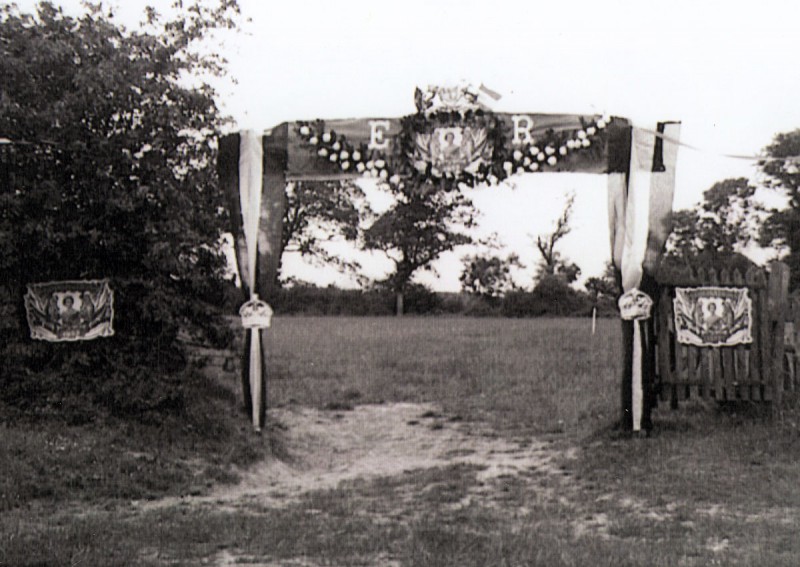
x: 727, y: 70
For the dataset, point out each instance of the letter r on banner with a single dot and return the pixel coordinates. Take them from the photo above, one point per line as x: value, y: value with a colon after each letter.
x: 377, y: 131
x: 523, y: 124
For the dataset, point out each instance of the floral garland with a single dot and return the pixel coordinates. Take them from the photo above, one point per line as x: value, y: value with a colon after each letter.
x: 327, y: 144
x: 542, y: 154
x: 554, y: 147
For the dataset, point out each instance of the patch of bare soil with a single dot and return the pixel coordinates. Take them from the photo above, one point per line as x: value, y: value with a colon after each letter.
x: 327, y: 448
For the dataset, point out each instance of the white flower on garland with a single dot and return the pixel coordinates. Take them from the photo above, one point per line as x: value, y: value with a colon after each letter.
x: 344, y: 155
x: 337, y: 146
x: 334, y: 157
x: 394, y: 179
x: 360, y: 167
x: 601, y: 123
x: 345, y: 165
x: 541, y: 156
x: 581, y: 134
x: 323, y: 152
x: 380, y: 164
x: 326, y: 137
x: 304, y: 131
x: 552, y: 160
x: 384, y: 174
x: 562, y: 150
x: 313, y: 140
x: 534, y: 166
x: 508, y: 166
x: 586, y: 143
x: 517, y: 155
x: 356, y: 156
x: 549, y: 150
x: 534, y: 150
x: 591, y: 130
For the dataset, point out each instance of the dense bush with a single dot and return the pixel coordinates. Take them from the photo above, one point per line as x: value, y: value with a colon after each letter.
x: 552, y: 296
x: 107, y: 173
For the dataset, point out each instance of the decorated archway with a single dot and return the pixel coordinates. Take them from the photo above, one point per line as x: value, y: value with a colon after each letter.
x: 454, y: 140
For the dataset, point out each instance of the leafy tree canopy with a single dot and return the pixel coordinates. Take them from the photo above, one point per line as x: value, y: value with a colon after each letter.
x: 488, y: 276
x: 724, y: 223
x: 107, y: 173
x: 418, y: 229
x: 318, y: 212
x: 781, y: 228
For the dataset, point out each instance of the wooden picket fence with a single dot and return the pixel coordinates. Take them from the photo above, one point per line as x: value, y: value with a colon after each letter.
x: 758, y: 371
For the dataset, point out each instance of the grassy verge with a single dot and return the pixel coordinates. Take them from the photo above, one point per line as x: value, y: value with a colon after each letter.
x: 127, y: 460
x: 712, y: 486
x: 522, y: 375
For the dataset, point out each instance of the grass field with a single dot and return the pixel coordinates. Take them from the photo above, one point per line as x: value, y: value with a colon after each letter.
x: 712, y: 486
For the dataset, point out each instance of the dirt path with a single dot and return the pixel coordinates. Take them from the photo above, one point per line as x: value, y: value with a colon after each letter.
x: 371, y: 441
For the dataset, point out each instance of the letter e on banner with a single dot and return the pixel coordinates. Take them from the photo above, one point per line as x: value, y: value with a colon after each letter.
x: 377, y: 131
x: 523, y: 124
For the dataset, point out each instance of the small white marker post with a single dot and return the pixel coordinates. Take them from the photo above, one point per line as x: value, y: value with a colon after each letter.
x: 594, y: 320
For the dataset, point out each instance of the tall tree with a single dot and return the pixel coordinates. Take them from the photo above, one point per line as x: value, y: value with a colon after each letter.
x: 424, y: 223
x: 552, y: 263
x: 782, y: 226
x: 488, y: 276
x: 107, y: 173
x: 724, y: 223
x: 318, y: 212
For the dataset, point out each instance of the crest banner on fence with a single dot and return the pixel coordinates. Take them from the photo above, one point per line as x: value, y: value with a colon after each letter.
x: 713, y: 316
x: 70, y: 310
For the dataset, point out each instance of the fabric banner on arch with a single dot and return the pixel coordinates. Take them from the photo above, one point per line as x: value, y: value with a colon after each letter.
x: 640, y: 220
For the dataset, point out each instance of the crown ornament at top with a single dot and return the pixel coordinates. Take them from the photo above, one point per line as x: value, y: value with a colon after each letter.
x: 256, y: 313
x: 457, y: 98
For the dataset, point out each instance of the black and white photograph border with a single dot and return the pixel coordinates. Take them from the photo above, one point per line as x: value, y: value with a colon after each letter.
x: 341, y: 337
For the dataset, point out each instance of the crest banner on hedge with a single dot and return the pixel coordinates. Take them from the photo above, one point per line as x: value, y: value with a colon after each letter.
x: 70, y: 310
x: 713, y: 316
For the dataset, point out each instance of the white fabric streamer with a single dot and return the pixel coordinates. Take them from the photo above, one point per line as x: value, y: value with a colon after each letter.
x: 251, y: 154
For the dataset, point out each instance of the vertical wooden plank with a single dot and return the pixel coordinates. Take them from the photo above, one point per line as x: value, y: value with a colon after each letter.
x: 741, y: 371
x: 706, y: 371
x: 693, y: 374
x: 729, y: 374
x: 754, y: 358
x: 663, y: 330
x: 716, y: 372
x: 764, y: 351
x: 740, y: 354
x: 777, y: 301
x: 676, y: 346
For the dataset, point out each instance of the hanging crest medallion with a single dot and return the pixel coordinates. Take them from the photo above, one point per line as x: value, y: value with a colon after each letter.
x: 452, y: 151
x: 713, y: 316
x: 70, y: 310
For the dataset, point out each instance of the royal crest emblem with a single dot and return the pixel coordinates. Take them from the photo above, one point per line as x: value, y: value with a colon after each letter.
x: 452, y: 151
x: 635, y: 305
x: 713, y: 316
x: 457, y: 98
x: 256, y: 314
x: 70, y: 310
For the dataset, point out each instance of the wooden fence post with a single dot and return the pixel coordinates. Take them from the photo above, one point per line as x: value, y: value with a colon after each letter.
x: 777, y: 304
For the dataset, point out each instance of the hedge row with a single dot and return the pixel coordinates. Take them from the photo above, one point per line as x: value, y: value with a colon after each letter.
x: 546, y: 300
